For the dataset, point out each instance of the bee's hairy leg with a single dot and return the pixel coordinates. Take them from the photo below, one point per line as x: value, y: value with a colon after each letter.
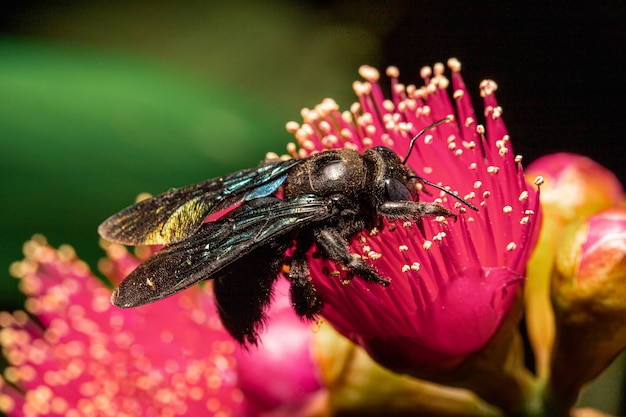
x: 335, y: 247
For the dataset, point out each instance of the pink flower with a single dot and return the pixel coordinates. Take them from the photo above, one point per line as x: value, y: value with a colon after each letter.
x: 80, y: 356
x: 451, y: 286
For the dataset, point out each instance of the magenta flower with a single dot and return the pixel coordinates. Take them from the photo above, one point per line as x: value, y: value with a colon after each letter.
x: 452, y: 285
x: 80, y: 356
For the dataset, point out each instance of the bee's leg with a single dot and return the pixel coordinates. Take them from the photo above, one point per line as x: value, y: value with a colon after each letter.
x: 303, y: 295
x: 411, y: 209
x: 335, y: 247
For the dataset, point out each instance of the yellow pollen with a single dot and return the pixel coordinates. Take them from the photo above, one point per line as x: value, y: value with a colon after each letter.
x: 427, y: 244
x: 426, y: 72
x: 388, y: 105
x: 392, y: 72
x: 304, y: 112
x: 11, y: 374
x: 415, y: 266
x: 469, y: 121
x: 468, y: 145
x: 518, y: 158
x: 487, y: 87
x: 407, y: 223
x: 365, y: 88
x: 458, y: 94
x: 472, y: 166
x: 7, y: 404
x: 524, y: 220
x: 403, y: 248
x: 539, y: 180
x: 292, y: 126
x: 330, y: 104
x: 486, y: 194
x: 529, y: 212
x: 374, y: 255
x: 406, y: 268
x: 308, y: 145
x: 6, y: 319
x: 478, y: 184
x: 292, y: 149
x: 454, y: 64
x: 503, y: 151
x: 369, y: 73
x: 428, y: 139
x: 404, y: 126
x: 507, y: 209
x: 511, y: 246
x: 480, y: 129
x: 438, y: 68
x: 346, y: 133
x: 523, y: 196
x: 325, y: 127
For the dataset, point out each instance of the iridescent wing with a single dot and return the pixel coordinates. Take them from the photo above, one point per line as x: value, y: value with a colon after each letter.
x: 177, y: 214
x: 217, y: 245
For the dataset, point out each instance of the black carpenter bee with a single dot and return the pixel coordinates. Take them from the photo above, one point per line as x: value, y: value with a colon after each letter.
x: 327, y: 198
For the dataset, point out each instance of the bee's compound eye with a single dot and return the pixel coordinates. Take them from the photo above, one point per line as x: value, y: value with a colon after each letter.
x: 396, y: 190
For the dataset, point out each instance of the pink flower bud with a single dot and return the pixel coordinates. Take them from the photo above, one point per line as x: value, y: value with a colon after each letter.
x: 589, y: 298
x: 574, y: 187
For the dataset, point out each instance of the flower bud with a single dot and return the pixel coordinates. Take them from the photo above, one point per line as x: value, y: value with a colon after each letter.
x: 573, y: 187
x: 589, y: 299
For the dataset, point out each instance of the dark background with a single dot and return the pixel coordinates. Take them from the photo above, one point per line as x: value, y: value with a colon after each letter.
x: 558, y: 68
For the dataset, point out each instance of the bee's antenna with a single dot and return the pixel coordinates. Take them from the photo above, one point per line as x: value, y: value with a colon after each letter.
x: 420, y: 133
x: 439, y: 187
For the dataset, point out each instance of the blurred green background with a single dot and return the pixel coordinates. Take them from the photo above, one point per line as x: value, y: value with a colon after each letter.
x: 101, y: 100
